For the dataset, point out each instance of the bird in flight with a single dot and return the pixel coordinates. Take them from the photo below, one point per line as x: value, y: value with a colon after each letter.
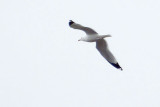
x: 101, y: 44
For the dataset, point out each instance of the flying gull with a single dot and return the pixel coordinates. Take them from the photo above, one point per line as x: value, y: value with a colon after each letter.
x: 101, y: 44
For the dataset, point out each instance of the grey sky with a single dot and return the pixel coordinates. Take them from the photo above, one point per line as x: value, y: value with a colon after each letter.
x: 42, y: 64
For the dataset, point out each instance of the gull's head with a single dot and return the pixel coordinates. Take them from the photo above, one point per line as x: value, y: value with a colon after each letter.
x: 81, y: 39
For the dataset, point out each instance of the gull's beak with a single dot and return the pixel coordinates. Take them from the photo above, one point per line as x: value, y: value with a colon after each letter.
x: 108, y: 36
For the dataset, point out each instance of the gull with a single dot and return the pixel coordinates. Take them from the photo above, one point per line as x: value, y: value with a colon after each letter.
x: 101, y: 44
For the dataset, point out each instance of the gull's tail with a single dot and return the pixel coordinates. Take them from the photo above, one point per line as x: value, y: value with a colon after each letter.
x: 104, y: 36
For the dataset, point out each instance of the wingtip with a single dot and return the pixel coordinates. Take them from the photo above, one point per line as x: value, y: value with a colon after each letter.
x: 70, y: 22
x: 121, y: 69
x: 116, y: 66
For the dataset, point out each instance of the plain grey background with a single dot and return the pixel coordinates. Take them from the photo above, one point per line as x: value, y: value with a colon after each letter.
x: 43, y: 65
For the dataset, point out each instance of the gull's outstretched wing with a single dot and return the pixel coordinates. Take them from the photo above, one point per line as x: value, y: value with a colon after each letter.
x: 102, y: 47
x: 87, y: 30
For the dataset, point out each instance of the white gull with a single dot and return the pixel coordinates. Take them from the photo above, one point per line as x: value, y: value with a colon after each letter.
x: 101, y: 44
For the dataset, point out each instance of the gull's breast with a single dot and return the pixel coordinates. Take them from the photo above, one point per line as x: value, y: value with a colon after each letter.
x: 92, y: 38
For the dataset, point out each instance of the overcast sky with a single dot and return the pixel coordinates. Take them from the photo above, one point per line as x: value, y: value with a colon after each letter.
x: 42, y: 64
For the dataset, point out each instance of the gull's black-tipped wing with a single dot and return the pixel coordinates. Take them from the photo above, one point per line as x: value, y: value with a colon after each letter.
x: 102, y: 47
x: 87, y: 30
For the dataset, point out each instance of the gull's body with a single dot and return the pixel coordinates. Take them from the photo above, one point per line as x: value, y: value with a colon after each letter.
x: 93, y: 38
x: 101, y: 44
